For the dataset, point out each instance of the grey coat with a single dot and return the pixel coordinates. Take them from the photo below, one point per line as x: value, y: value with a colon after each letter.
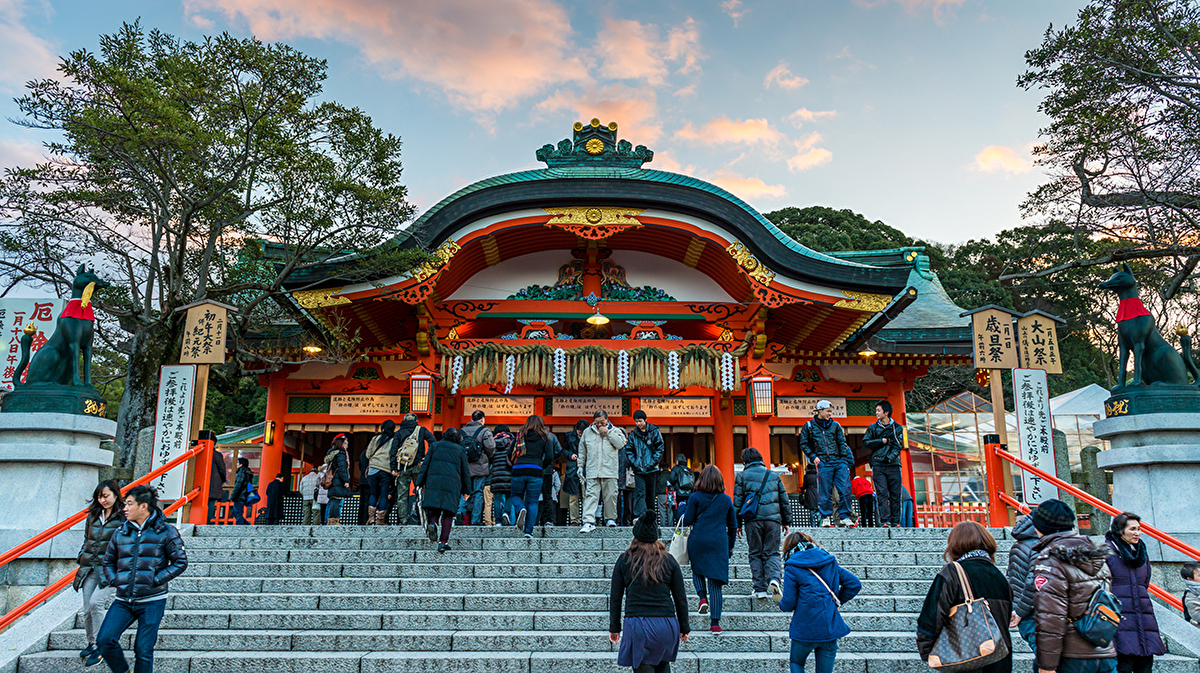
x: 773, y: 503
x: 1020, y: 567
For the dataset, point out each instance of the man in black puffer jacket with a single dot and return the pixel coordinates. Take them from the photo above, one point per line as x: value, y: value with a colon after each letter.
x: 824, y: 444
x: 885, y: 439
x: 144, y: 554
x: 1020, y: 575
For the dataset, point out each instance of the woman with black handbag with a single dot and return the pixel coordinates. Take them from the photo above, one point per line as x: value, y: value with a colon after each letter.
x: 971, y: 556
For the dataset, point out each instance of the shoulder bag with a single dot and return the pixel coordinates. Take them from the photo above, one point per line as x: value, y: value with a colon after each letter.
x: 970, y: 638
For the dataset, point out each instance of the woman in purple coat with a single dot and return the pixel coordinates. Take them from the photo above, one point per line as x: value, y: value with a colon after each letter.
x: 1138, y: 639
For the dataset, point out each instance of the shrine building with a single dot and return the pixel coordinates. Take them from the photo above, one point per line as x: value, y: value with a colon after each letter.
x: 595, y: 283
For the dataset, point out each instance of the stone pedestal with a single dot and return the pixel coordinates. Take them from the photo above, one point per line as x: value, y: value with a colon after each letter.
x: 49, y: 466
x: 1155, y: 461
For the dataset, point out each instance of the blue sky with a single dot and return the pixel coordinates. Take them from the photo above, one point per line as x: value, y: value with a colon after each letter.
x: 904, y: 110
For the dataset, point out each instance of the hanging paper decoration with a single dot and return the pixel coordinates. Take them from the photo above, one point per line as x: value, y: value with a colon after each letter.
x: 510, y: 372
x: 673, y: 370
x: 458, y: 370
x: 560, y: 368
x: 623, y: 370
x: 728, y: 371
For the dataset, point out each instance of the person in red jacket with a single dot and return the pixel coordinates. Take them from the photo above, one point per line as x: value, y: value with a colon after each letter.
x: 864, y: 489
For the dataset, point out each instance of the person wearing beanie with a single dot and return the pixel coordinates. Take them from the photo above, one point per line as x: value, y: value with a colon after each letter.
x: 644, y: 450
x: 683, y: 480
x: 1068, y: 571
x: 648, y: 583
x: 408, y: 433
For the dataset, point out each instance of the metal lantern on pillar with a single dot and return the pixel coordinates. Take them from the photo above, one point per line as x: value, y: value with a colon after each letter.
x: 762, y: 396
x: 421, y: 394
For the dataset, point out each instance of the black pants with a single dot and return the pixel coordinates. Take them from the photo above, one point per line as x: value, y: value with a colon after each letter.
x: 1132, y: 663
x: 645, y: 497
x: 664, y: 667
x: 887, y: 492
x: 626, y: 506
x: 866, y: 511
x: 546, y: 508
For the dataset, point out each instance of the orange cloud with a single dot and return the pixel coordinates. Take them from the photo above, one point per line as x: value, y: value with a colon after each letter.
x: 483, y: 55
x: 25, y: 56
x: 632, y: 50
x: 634, y: 110
x: 784, y: 78
x: 808, y: 155
x: 726, y: 131
x: 734, y: 9
x: 1002, y: 159
x: 689, y: 90
x: 746, y: 188
x: 805, y: 115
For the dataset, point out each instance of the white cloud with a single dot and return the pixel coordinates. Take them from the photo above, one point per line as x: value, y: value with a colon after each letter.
x: 19, y: 154
x: 631, y: 50
x: 808, y: 155
x: 1003, y: 159
x: 735, y: 10
x: 689, y: 90
x: 783, y: 78
x: 23, y: 55
x: 805, y: 115
x: 726, y: 131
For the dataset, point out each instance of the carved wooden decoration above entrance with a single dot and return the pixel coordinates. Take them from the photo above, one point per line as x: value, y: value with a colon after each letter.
x: 593, y: 222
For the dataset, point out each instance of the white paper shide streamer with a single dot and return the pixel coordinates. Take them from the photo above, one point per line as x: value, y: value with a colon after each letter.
x: 510, y: 372
x: 728, y: 371
x: 458, y: 369
x: 623, y: 370
x: 560, y: 368
x: 673, y: 370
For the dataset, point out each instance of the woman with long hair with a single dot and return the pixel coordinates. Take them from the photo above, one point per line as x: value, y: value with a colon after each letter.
x: 534, y: 454
x: 446, y: 479
x: 710, y: 544
x: 972, y: 547
x: 815, y: 588
x: 337, y: 462
x: 650, y: 583
x: 105, y: 514
x: 1138, y: 638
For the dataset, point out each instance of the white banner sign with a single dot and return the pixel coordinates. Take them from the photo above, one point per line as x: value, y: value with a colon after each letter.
x: 1035, y: 432
x: 497, y: 405
x: 677, y: 407
x: 806, y: 407
x: 585, y: 406
x: 15, y: 314
x: 173, y: 426
x: 354, y: 405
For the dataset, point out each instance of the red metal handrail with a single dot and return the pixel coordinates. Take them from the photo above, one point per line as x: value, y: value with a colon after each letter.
x: 1177, y: 545
x: 1163, y: 595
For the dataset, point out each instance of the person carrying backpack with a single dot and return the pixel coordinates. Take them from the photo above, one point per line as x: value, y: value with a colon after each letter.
x: 337, y: 478
x: 408, y: 452
x: 683, y: 480
x: 762, y: 504
x: 501, y: 474
x: 815, y: 588
x: 378, y: 475
x: 1068, y: 572
x: 479, y: 445
x: 824, y: 444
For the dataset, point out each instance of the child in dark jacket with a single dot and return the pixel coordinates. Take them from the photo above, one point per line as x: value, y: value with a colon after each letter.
x: 814, y: 589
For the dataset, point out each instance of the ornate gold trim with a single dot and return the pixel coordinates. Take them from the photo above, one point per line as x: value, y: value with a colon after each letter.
x: 311, y: 299
x: 750, y: 264
x: 694, y: 251
x: 864, y: 301
x: 443, y: 255
x: 593, y: 216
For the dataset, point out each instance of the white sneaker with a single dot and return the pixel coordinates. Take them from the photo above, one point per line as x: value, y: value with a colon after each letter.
x: 776, y: 591
x: 611, y: 523
x: 849, y: 523
x: 549, y: 524
x: 587, y: 528
x: 497, y: 525
x: 507, y: 521
x: 528, y: 536
x: 521, y: 519
x: 758, y: 595
x: 826, y: 522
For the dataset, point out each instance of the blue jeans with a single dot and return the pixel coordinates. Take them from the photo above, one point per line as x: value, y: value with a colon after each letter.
x: 474, y: 503
x: 712, y: 595
x: 499, y: 501
x: 525, y: 494
x: 239, y: 516
x: 825, y: 653
x: 379, y: 489
x: 119, y: 617
x: 834, y: 475
x: 1087, y: 665
x: 334, y: 510
x: 1028, y: 629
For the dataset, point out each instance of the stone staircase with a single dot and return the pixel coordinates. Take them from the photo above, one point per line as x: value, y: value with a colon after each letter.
x: 361, y: 600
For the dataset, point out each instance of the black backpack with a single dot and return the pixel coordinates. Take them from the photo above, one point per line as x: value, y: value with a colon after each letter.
x: 687, y: 480
x: 473, y: 446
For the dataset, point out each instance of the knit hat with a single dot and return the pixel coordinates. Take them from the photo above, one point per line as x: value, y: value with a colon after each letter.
x: 639, y: 415
x: 1053, y: 516
x: 646, y: 528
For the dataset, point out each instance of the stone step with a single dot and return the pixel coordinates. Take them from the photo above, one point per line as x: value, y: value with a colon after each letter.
x: 509, y: 662
x: 621, y: 532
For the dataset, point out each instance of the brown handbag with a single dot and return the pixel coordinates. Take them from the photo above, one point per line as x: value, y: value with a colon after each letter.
x: 970, y: 638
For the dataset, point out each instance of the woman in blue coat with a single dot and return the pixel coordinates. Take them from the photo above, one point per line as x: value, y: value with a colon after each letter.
x: 811, y: 579
x: 710, y: 544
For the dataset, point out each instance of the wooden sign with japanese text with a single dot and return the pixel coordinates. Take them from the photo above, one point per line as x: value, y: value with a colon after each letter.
x: 1035, y: 432
x: 677, y: 407
x: 204, y: 335
x: 1037, y: 343
x: 173, y: 426
x: 806, y: 407
x: 353, y: 405
x: 498, y: 405
x: 995, y: 345
x: 15, y: 314
x: 585, y: 406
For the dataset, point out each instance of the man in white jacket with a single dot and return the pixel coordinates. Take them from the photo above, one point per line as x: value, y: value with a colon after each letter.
x: 599, y: 469
x: 308, y: 494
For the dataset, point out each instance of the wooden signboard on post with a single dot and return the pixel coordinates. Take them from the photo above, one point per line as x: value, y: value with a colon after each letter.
x: 994, y: 345
x: 1037, y: 342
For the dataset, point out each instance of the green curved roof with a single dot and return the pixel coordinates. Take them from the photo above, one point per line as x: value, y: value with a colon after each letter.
x: 647, y: 175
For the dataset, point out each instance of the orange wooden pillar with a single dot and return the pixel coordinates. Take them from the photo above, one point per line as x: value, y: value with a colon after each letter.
x: 723, y: 438
x: 272, y: 452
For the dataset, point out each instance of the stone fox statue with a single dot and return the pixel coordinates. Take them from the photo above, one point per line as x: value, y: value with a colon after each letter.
x: 57, y: 361
x: 1154, y: 360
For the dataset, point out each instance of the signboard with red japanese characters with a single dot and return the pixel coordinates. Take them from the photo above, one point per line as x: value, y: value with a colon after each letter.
x: 15, y: 314
x: 995, y: 345
x: 1037, y: 342
x: 173, y: 426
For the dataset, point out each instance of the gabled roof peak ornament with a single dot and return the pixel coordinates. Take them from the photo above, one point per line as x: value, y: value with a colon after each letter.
x: 595, y: 144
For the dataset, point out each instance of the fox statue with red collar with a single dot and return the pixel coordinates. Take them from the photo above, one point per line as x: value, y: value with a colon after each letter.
x: 1154, y: 360
x: 57, y: 361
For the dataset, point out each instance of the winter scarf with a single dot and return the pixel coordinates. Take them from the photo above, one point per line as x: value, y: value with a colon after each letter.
x: 1134, y: 557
